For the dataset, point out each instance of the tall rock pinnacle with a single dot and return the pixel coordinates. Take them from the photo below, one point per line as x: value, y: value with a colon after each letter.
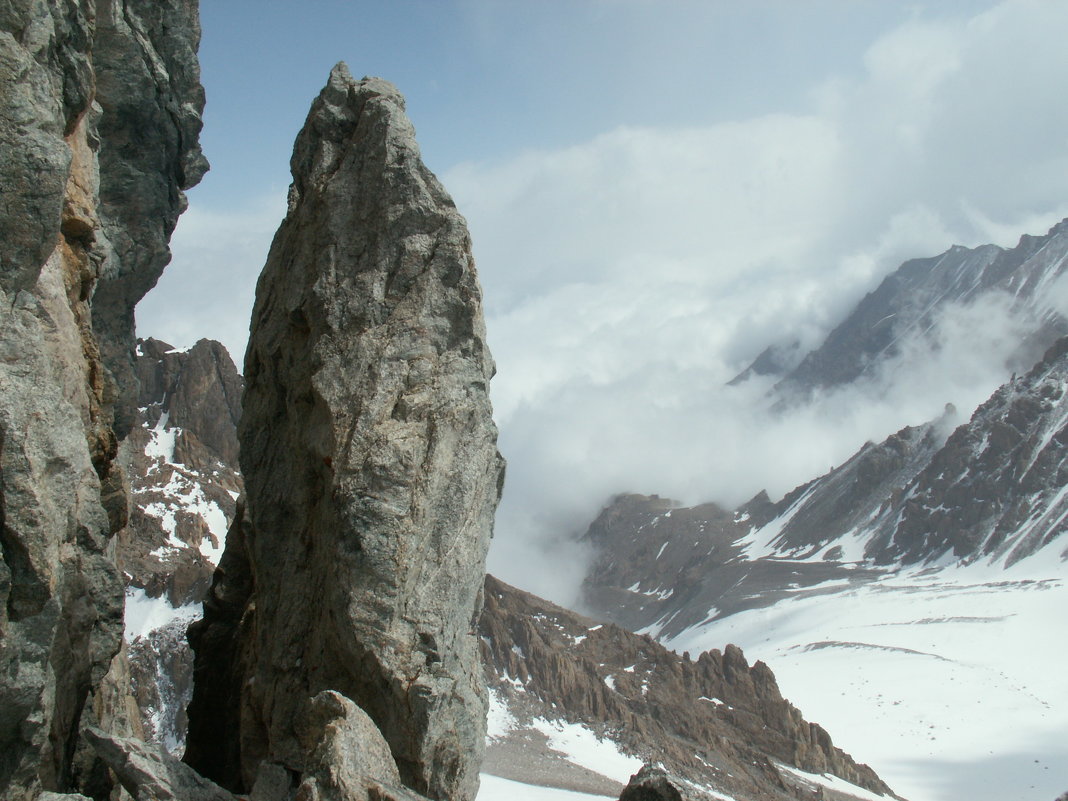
x: 371, y: 468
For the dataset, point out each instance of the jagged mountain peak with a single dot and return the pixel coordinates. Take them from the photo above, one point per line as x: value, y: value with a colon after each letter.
x: 910, y: 302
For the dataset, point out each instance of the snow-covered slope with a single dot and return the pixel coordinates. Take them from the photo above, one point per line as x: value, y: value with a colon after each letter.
x: 949, y: 680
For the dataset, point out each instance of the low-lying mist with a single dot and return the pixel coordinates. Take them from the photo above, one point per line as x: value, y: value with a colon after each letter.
x: 680, y: 432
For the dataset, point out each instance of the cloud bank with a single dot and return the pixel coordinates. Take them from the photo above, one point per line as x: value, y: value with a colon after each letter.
x: 628, y: 278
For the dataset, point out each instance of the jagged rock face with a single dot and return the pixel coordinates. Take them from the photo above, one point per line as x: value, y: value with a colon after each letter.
x: 63, y: 138
x: 181, y: 461
x: 717, y: 722
x: 997, y: 487
x: 369, y: 458
x: 149, y: 87
x: 911, y: 299
x: 199, y: 390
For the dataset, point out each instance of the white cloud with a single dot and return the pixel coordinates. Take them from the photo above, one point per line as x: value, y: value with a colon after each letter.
x: 628, y: 278
x: 208, y: 290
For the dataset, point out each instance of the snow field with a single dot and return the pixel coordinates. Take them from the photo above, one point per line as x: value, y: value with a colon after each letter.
x: 931, y: 677
x: 495, y: 788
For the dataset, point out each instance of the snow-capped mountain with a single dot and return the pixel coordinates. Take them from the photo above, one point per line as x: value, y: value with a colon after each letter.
x: 911, y: 304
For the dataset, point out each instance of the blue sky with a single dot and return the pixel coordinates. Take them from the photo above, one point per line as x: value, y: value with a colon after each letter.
x: 656, y: 192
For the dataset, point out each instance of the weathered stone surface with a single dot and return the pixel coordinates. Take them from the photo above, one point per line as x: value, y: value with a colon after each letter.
x: 64, y: 141
x: 149, y: 88
x: 368, y: 452
x: 149, y: 772
x: 349, y: 759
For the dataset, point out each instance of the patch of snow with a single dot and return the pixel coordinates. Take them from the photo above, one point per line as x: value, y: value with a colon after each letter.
x: 832, y: 782
x: 582, y: 747
x: 760, y: 542
x: 161, y: 440
x: 500, y: 720
x: 144, y: 615
x: 661, y: 551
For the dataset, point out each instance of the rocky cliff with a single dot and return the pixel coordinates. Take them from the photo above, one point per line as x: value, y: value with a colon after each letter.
x: 716, y: 723
x: 99, y: 114
x: 370, y: 465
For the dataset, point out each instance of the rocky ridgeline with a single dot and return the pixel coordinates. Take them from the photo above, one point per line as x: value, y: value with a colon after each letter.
x: 99, y: 120
x: 715, y: 723
x: 371, y: 471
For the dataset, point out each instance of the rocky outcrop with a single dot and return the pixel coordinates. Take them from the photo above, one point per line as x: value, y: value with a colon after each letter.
x: 370, y: 465
x: 199, y: 392
x: 652, y: 783
x: 88, y: 88
x: 148, y: 771
x: 715, y: 722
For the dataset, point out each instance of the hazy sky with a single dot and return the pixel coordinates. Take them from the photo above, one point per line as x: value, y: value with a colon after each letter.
x: 657, y: 191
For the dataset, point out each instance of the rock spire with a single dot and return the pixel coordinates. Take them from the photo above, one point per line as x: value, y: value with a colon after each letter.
x: 370, y: 463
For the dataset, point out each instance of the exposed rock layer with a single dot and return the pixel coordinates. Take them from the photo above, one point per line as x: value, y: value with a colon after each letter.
x: 371, y: 470
x: 94, y: 96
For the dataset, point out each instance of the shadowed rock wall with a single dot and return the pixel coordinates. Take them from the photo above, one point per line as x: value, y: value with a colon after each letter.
x: 67, y: 72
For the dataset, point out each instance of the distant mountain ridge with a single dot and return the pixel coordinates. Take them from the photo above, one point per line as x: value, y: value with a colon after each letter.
x: 994, y: 488
x: 910, y: 301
